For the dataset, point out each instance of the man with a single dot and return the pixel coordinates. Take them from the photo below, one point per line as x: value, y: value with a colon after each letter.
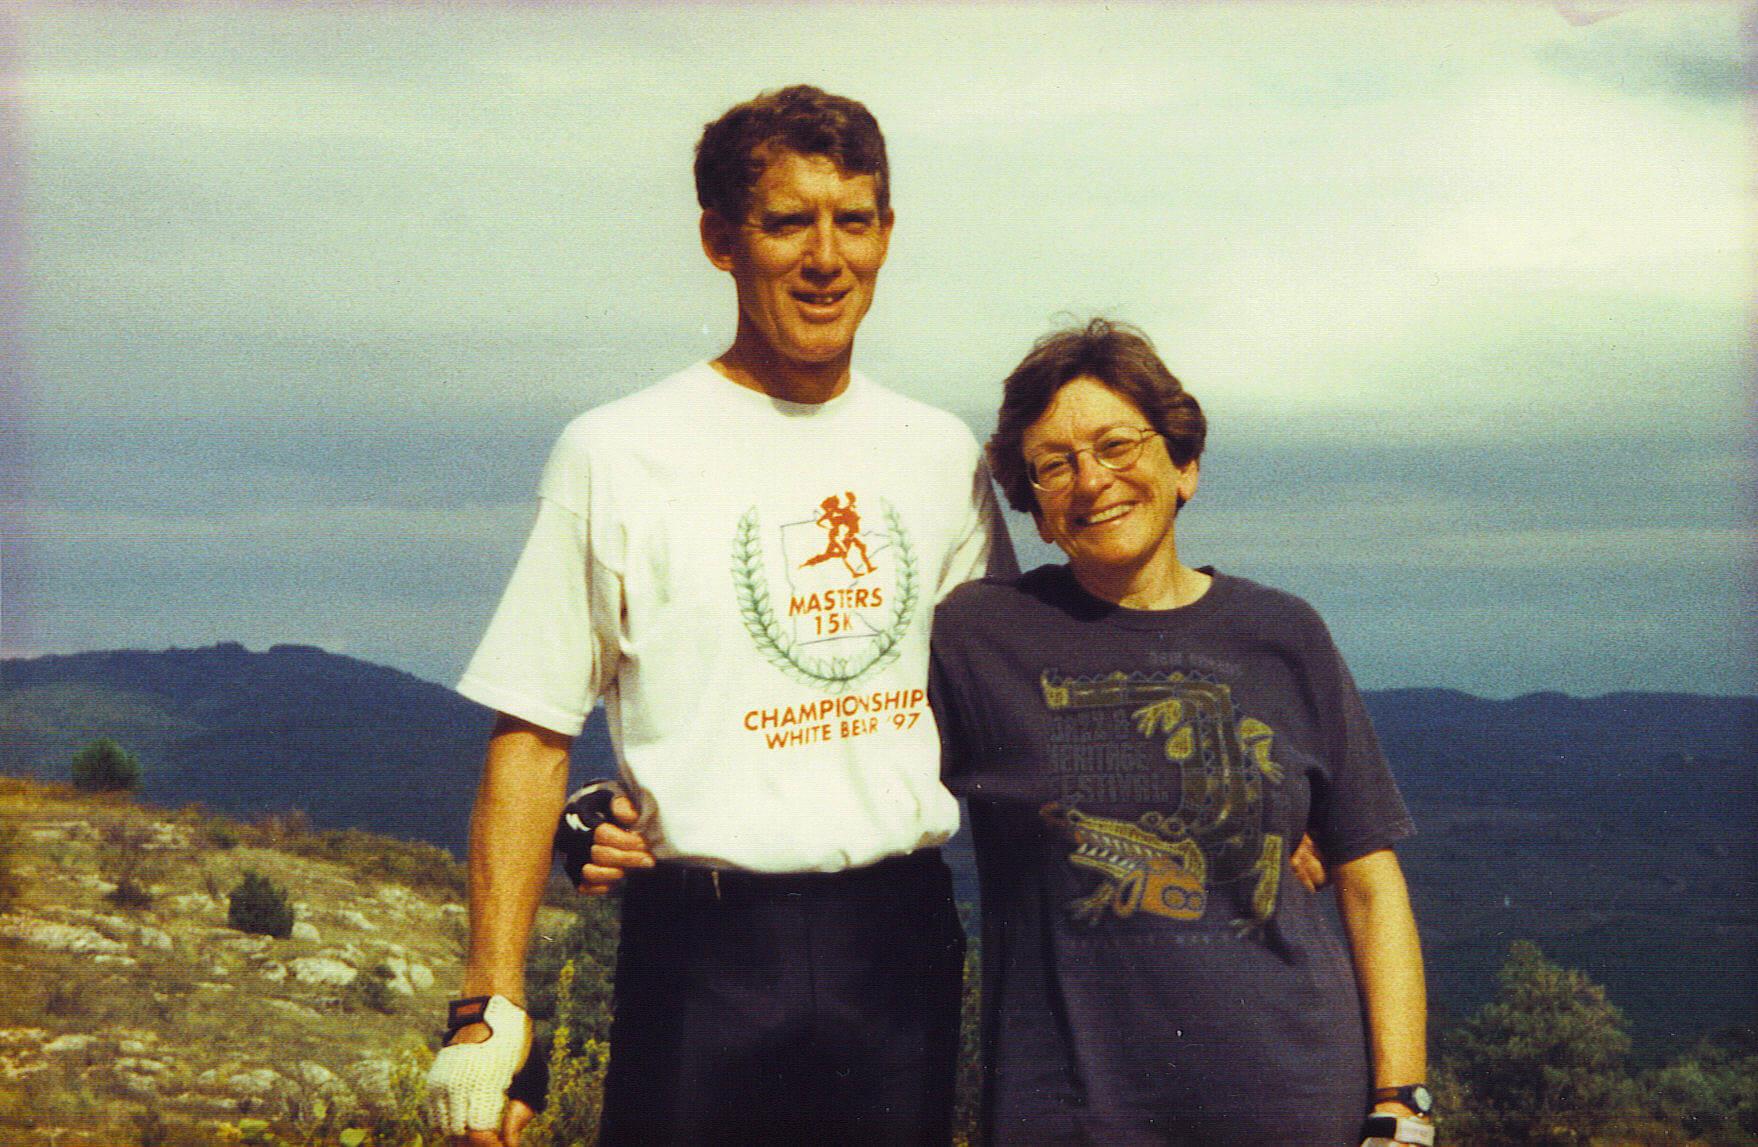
x: 789, y: 969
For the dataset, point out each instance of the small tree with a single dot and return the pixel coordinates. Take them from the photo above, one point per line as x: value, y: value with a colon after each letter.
x: 1710, y: 1093
x: 103, y: 766
x: 1542, y: 1064
x: 260, y: 906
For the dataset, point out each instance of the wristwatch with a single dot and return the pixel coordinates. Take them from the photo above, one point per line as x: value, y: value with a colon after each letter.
x: 1416, y: 1096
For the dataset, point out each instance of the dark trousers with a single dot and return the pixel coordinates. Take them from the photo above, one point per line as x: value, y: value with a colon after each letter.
x: 814, y: 1008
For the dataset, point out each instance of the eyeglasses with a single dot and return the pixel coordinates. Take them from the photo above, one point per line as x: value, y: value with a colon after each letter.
x: 1116, y: 449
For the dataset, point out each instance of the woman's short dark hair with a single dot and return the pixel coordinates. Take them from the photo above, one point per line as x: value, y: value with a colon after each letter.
x: 736, y: 148
x: 1115, y: 354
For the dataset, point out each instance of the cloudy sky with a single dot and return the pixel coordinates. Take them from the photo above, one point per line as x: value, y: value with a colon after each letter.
x: 304, y: 292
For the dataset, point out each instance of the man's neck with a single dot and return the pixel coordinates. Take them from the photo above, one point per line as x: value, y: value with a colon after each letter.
x: 762, y: 370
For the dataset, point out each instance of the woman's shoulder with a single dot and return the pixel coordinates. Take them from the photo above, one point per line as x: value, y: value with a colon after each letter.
x: 997, y: 598
x: 1249, y: 599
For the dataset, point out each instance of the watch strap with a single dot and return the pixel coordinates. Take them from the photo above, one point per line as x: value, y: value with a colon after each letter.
x: 1416, y: 1096
x: 460, y: 1014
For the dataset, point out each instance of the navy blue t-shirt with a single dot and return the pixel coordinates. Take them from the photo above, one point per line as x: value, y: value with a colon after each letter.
x: 1153, y: 971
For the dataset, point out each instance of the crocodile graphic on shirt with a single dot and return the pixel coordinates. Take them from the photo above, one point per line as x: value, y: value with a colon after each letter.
x: 1165, y: 861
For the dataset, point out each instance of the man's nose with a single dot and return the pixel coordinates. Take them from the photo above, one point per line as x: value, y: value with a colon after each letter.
x: 823, y: 256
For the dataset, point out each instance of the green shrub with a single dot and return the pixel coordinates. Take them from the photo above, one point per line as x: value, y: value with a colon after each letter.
x: 129, y: 894
x: 1709, y: 1093
x: 1542, y: 1065
x: 259, y: 905
x: 103, y: 766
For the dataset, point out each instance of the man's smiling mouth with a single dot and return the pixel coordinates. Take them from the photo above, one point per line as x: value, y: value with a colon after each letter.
x: 820, y: 298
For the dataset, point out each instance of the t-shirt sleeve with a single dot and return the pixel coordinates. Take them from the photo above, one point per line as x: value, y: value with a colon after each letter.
x: 554, y: 642
x: 1359, y: 809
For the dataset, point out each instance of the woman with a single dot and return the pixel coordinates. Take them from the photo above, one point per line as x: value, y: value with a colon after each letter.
x: 1142, y: 743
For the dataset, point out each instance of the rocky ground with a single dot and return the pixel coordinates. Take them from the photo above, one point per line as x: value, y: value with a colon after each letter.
x: 161, y: 1023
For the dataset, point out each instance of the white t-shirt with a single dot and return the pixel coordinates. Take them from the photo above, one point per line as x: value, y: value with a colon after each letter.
x: 748, y: 584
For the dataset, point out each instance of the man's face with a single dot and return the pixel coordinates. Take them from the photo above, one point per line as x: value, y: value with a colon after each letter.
x: 805, y: 258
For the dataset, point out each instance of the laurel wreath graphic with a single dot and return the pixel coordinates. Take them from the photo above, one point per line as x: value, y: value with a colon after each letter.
x: 836, y: 674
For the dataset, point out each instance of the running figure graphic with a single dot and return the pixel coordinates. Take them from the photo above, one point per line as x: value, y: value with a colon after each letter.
x: 844, y: 525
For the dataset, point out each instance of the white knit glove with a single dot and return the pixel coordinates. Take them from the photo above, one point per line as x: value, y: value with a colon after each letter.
x: 467, y: 1085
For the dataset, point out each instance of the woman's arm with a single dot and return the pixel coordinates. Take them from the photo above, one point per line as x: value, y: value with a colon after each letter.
x: 1375, y: 905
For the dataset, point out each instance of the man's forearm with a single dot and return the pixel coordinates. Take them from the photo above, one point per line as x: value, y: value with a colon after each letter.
x: 512, y: 827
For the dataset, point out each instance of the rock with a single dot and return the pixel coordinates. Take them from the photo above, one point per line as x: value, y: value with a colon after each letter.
x: 54, y: 937
x: 21, y: 1053
x: 190, y: 904
x: 316, y: 1076
x: 407, y: 976
x: 262, y: 1091
x: 69, y: 1044
x: 131, y: 933
x: 375, y: 1085
x: 304, y: 930
x: 323, y: 971
x: 354, y: 920
x: 288, y: 1007
x: 140, y: 1077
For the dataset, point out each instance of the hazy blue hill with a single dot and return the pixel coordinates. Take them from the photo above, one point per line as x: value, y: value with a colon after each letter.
x: 1667, y: 751
x: 1616, y: 830
x: 349, y: 742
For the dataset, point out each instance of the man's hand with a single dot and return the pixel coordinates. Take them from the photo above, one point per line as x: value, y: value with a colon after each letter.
x: 616, y: 848
x: 467, y: 1085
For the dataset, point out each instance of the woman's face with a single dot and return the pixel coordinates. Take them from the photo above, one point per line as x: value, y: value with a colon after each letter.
x: 1108, y: 522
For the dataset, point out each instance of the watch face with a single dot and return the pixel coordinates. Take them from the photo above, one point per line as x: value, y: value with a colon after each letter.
x: 1421, y: 1099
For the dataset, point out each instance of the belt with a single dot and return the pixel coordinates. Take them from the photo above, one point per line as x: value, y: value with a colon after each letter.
x: 693, y: 882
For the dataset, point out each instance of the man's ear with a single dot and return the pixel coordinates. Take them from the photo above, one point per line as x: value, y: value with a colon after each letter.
x: 718, y: 239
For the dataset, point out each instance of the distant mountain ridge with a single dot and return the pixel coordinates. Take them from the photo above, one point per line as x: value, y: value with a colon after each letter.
x: 359, y: 744
x: 1620, y: 830
x: 351, y: 743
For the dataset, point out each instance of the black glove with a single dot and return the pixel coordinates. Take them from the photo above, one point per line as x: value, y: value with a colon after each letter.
x: 530, y: 1084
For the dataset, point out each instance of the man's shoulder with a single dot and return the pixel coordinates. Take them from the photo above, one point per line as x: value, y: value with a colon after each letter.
x: 659, y: 399
x: 658, y: 409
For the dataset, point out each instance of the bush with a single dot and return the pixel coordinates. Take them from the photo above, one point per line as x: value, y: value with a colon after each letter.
x: 129, y: 894
x: 1710, y: 1093
x: 259, y: 905
x: 103, y: 766
x: 1541, y: 1064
